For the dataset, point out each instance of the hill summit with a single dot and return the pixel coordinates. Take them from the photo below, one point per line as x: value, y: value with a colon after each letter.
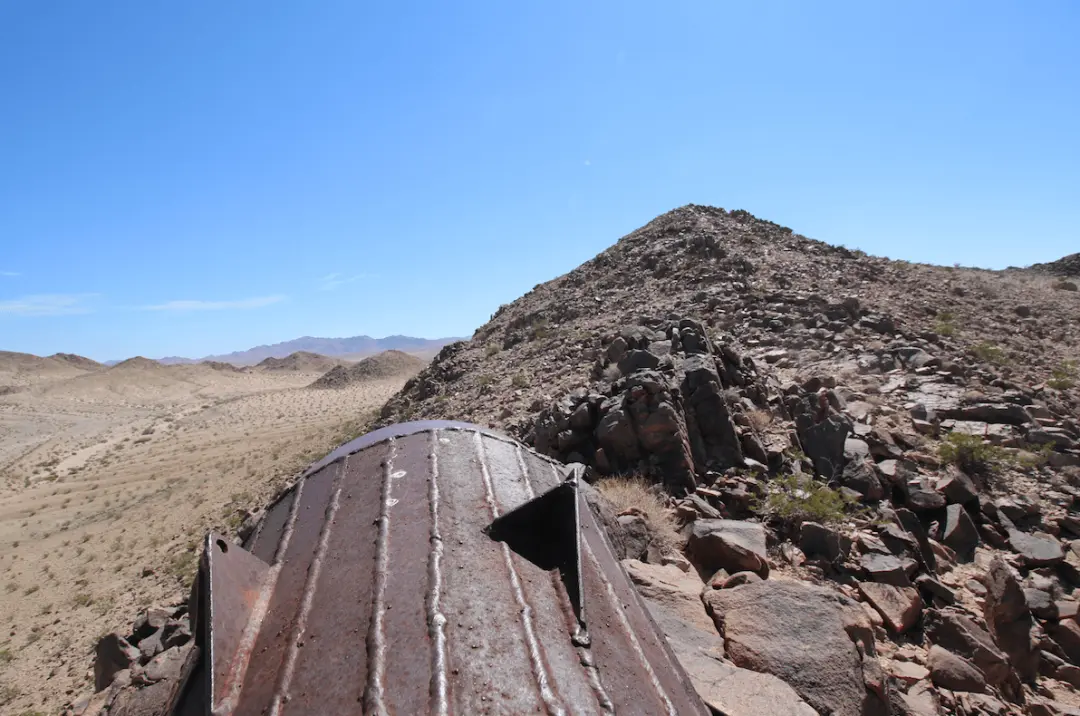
x: 876, y: 457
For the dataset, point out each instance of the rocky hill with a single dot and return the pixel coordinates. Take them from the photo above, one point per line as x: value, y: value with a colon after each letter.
x: 837, y: 431
x: 19, y: 370
x: 874, y: 466
x: 387, y: 364
x: 1065, y: 266
x: 299, y: 361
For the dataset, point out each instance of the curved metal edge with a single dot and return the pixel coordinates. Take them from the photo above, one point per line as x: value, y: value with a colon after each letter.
x: 398, y: 430
x: 389, y: 432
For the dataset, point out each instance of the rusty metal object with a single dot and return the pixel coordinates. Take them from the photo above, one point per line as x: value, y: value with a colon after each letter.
x: 427, y: 568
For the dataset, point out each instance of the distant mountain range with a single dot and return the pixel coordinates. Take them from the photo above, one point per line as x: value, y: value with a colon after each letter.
x: 354, y: 347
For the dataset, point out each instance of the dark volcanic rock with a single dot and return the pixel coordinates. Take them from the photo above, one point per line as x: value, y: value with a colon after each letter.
x: 953, y: 672
x: 823, y: 435
x: 956, y: 632
x: 885, y: 569
x: 815, y: 539
x: 1036, y: 550
x: 959, y: 532
x: 113, y: 654
x: 1009, y: 620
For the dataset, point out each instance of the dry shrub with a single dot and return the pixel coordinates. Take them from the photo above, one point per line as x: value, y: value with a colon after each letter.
x: 633, y: 493
x: 760, y: 420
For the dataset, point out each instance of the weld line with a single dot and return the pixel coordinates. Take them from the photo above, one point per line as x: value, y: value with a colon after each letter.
x: 525, y: 472
x: 374, y: 692
x: 259, y: 611
x: 436, y: 619
x: 539, y: 670
x: 308, y: 599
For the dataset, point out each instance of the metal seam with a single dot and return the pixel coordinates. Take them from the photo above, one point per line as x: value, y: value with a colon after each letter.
x: 374, y: 692
x: 580, y: 638
x: 525, y: 472
x: 259, y: 611
x: 539, y: 669
x: 629, y: 631
x: 310, y: 587
x: 436, y: 619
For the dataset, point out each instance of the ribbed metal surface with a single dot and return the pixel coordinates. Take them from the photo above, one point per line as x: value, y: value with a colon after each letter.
x: 384, y: 595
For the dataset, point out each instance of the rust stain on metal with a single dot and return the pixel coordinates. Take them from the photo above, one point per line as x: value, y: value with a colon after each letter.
x: 428, y: 568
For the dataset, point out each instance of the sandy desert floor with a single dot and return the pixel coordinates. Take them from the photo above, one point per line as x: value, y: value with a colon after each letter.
x: 108, y: 481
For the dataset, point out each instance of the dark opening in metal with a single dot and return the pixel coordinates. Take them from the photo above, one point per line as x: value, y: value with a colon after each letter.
x: 546, y: 531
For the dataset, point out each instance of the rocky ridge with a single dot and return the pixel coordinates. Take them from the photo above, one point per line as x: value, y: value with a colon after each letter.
x: 872, y: 457
x: 875, y: 457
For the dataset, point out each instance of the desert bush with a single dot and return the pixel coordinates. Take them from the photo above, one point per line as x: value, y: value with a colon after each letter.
x: 492, y: 349
x: 989, y: 353
x: 971, y: 453
x: 634, y: 493
x: 520, y: 380
x: 946, y: 324
x: 1034, y: 456
x: 794, y: 499
x: 760, y: 420
x: 1063, y: 376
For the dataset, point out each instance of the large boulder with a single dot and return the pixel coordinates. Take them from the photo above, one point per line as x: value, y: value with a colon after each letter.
x: 953, y: 630
x: 959, y: 532
x: 1009, y: 620
x: 1036, y: 550
x: 1066, y: 634
x: 811, y: 637
x: 953, y: 672
x: 899, y: 607
x: 734, y: 545
x: 823, y: 439
x: 672, y: 589
x: 818, y: 540
x: 727, y: 689
x: 713, y: 439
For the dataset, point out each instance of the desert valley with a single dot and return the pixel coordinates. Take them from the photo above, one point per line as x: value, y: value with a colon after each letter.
x: 111, y: 475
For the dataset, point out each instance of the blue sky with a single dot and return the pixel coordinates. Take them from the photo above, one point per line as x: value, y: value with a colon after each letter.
x: 197, y: 177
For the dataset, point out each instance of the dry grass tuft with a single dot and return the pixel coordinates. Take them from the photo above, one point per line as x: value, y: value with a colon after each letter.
x: 633, y: 493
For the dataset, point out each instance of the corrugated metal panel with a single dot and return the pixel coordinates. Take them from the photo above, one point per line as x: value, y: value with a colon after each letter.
x: 383, y: 594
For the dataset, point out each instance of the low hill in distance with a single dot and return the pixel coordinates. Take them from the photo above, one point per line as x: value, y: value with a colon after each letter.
x: 77, y: 361
x: 388, y: 364
x: 23, y: 369
x: 352, y: 348
x: 302, y: 361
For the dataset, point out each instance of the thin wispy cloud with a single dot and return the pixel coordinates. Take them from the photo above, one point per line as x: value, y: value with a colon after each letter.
x: 49, y: 304
x: 10, y: 274
x: 333, y: 281
x: 240, y: 304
